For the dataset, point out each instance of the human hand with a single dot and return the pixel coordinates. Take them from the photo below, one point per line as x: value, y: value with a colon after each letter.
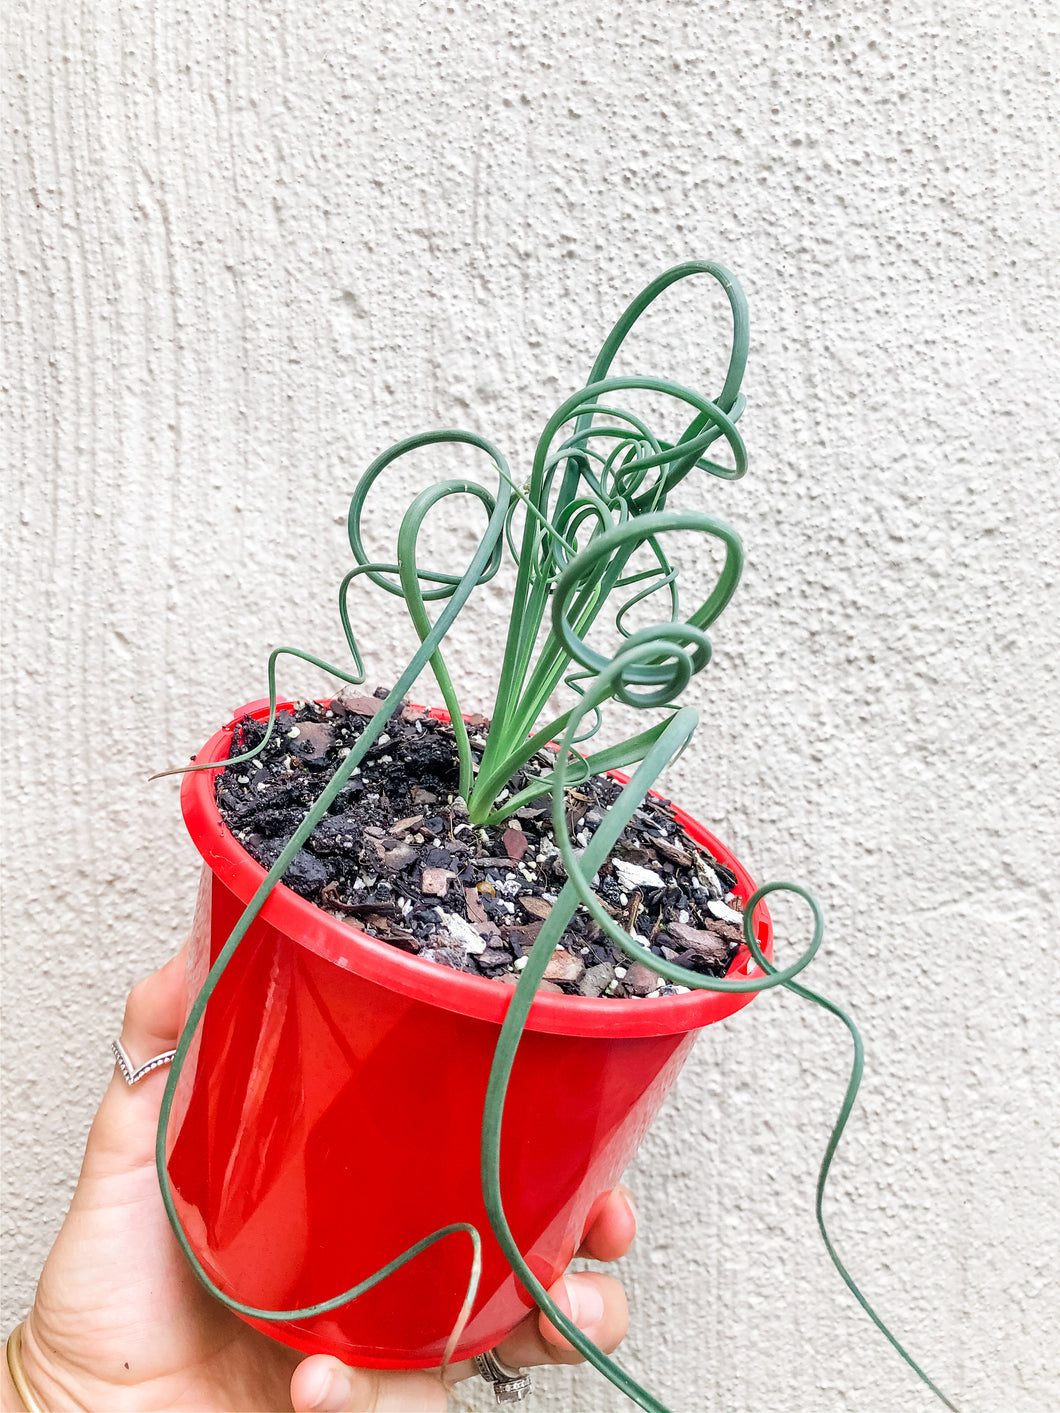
x: 121, y: 1323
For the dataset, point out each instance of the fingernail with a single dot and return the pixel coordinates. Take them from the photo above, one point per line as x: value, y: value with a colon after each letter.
x: 586, y: 1302
x: 333, y: 1393
x: 631, y: 1205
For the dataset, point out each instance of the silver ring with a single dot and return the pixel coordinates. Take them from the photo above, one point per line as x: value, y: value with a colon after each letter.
x: 129, y: 1073
x: 509, y: 1385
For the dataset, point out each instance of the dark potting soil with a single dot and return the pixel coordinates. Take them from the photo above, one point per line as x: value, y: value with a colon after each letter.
x: 397, y: 857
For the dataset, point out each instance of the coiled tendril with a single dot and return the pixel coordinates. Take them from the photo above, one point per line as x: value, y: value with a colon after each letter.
x: 593, y: 509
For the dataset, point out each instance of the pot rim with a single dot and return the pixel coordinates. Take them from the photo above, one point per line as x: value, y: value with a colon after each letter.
x: 481, y: 997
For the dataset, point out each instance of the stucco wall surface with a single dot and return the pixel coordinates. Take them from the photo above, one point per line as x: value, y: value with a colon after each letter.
x: 246, y: 246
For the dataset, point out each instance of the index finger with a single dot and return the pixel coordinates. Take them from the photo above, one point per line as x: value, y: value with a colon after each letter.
x: 612, y: 1226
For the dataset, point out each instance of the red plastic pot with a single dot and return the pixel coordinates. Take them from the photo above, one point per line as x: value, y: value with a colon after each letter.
x: 328, y: 1115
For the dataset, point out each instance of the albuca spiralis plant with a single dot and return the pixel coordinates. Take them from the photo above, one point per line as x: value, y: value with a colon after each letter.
x: 597, y: 494
x: 588, y: 532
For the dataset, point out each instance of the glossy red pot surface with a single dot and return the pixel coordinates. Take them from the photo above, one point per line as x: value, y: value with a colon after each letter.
x: 328, y: 1115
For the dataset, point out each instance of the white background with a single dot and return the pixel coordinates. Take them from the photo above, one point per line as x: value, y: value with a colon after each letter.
x: 248, y: 244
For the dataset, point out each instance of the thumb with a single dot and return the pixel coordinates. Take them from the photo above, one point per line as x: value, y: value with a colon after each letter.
x: 322, y: 1384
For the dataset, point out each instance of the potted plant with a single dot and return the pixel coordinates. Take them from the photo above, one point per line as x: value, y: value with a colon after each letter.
x: 333, y: 1065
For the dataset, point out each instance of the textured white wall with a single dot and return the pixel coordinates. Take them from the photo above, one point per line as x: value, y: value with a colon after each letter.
x: 249, y: 244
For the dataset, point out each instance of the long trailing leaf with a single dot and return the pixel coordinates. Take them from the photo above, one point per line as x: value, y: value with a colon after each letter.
x: 578, y: 889
x: 458, y: 595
